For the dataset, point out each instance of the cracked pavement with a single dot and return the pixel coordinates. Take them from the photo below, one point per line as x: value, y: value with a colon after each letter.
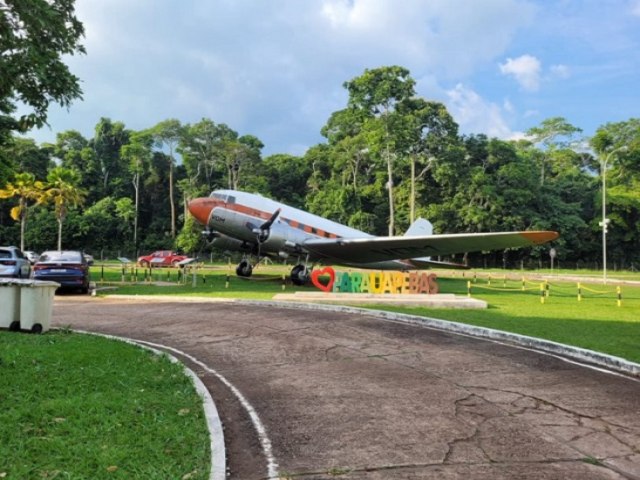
x: 355, y: 397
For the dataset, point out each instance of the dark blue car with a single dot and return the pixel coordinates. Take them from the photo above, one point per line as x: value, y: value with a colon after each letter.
x: 67, y: 267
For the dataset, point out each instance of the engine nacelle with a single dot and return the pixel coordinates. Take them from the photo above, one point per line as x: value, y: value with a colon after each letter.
x: 277, y: 239
x: 224, y: 242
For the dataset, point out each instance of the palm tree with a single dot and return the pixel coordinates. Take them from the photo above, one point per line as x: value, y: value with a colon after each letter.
x: 25, y: 187
x: 63, y: 191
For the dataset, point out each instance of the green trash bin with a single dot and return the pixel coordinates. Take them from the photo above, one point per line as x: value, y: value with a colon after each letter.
x: 9, y: 304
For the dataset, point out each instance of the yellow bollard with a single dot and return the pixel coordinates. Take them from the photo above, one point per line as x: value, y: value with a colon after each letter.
x: 468, y: 288
x: 579, y: 292
x: 542, y: 293
x: 546, y: 288
x: 504, y: 282
x: 619, y: 292
x: 489, y: 280
x: 523, y: 285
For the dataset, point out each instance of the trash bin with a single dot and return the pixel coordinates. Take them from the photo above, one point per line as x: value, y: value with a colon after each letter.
x: 9, y: 305
x: 36, y: 304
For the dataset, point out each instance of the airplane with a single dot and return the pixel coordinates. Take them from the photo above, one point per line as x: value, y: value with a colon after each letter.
x: 261, y: 227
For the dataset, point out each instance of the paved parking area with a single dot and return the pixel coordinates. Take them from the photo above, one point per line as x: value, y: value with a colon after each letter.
x: 369, y: 399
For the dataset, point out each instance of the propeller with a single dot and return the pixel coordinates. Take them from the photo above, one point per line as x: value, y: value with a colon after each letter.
x: 263, y: 231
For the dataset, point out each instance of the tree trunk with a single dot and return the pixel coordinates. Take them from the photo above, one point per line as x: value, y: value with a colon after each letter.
x: 59, y: 233
x: 23, y: 221
x: 412, y: 200
x: 390, y: 185
x: 172, y: 202
x: 136, y: 187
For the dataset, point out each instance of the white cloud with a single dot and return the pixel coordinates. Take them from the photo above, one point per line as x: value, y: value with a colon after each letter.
x: 526, y: 70
x: 273, y: 69
x: 476, y: 115
x: 560, y: 71
x: 508, y: 106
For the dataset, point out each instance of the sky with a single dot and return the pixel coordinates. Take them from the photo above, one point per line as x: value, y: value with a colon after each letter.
x: 275, y: 68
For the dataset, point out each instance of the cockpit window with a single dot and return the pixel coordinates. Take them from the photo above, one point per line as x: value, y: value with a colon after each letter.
x: 231, y: 199
x: 219, y: 196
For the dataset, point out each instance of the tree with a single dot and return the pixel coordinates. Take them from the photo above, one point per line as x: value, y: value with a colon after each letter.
x: 34, y: 35
x: 429, y: 131
x: 375, y: 94
x: 241, y: 155
x: 108, y: 139
x: 618, y: 148
x: 138, y: 154
x: 63, y: 191
x: 168, y: 134
x: 548, y: 134
x: 25, y: 187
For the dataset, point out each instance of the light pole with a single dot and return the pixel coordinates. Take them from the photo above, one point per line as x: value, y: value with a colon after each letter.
x: 605, y: 221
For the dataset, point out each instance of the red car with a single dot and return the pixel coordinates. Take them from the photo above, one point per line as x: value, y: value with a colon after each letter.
x: 161, y: 258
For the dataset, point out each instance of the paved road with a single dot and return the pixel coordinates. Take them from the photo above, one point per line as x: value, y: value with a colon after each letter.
x: 344, y: 393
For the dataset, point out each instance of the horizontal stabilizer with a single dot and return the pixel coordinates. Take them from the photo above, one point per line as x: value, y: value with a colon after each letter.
x: 420, y: 263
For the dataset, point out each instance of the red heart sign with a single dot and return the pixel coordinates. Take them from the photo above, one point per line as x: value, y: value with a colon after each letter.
x: 315, y: 278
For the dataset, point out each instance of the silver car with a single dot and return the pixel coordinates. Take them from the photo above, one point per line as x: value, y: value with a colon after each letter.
x: 13, y: 263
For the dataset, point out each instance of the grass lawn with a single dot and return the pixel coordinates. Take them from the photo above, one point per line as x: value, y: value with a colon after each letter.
x: 76, y: 406
x: 596, y: 323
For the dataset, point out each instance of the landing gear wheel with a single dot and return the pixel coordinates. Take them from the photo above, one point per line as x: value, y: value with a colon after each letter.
x: 36, y: 328
x: 299, y: 275
x: 244, y: 269
x: 14, y: 326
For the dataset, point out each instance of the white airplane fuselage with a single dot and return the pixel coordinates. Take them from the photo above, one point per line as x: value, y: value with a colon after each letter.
x: 236, y: 215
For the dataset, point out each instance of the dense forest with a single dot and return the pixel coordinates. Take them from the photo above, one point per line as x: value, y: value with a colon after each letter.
x: 389, y: 157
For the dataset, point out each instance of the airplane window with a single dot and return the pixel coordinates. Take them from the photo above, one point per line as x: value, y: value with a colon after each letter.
x: 231, y: 199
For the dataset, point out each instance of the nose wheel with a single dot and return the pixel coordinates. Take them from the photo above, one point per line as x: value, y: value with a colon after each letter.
x: 244, y: 269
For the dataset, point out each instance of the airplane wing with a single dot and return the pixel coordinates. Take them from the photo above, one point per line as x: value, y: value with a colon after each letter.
x: 378, y: 249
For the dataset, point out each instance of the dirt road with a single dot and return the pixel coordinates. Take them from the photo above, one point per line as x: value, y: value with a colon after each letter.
x: 369, y: 399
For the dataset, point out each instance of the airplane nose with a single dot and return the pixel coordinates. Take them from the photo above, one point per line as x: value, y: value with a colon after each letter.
x: 200, y: 208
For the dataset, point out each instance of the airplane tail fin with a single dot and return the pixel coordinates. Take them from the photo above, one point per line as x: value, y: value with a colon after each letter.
x: 419, y: 227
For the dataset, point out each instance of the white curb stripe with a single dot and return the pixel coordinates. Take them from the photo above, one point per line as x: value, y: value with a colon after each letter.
x: 272, y: 466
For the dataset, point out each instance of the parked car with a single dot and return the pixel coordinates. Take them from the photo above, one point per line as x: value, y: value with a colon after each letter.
x: 13, y: 263
x: 89, y: 258
x: 67, y: 267
x: 31, y: 256
x: 161, y: 258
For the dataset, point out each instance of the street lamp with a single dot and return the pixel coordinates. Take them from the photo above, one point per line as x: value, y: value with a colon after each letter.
x: 605, y: 220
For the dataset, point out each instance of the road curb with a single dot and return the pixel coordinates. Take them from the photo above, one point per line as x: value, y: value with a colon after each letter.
x: 589, y: 357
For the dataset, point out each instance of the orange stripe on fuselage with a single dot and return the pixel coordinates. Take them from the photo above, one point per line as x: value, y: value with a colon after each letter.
x: 236, y: 207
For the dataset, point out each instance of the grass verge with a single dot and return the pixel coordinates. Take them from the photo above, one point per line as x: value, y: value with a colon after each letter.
x: 78, y: 406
